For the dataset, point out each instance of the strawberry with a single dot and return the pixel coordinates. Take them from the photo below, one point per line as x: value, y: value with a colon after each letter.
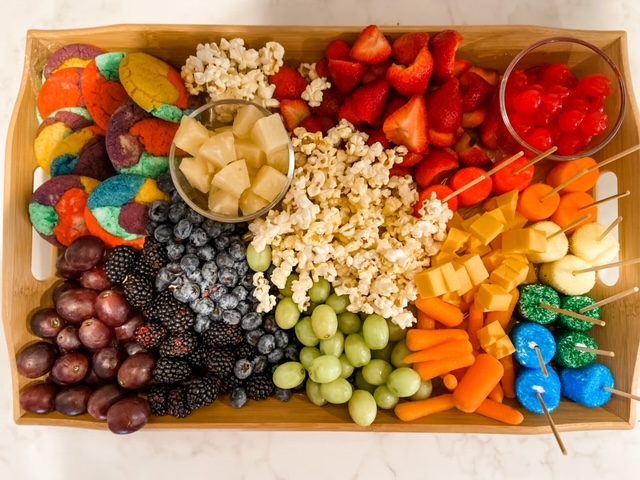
x: 371, y: 46
x: 338, y: 50
x: 411, y: 159
x: 469, y: 151
x: 412, y: 80
x: 475, y: 118
x: 289, y: 83
x: 349, y: 112
x: 443, y: 48
x: 395, y: 102
x: 377, y: 135
x: 460, y: 67
x: 370, y: 100
x: 405, y: 48
x: 400, y: 171
x: 441, y: 191
x: 315, y: 123
x: 492, y: 77
x: 408, y: 125
x: 489, y: 130
x: 376, y: 71
x: 345, y: 75
x: 322, y: 67
x: 330, y: 105
x: 293, y: 112
x: 477, y: 91
x: 444, y: 107
x: 437, y: 165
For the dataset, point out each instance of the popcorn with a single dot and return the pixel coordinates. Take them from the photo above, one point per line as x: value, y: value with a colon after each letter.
x: 313, y: 92
x: 261, y: 292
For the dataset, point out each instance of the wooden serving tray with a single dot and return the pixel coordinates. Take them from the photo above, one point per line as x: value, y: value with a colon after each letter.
x: 491, y: 47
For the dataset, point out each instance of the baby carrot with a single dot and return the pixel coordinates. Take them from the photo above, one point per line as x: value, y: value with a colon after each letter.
x: 407, y: 411
x: 425, y: 322
x: 497, y: 394
x: 476, y: 322
x: 564, y: 171
x: 480, y: 379
x: 421, y: 339
x: 441, y: 311
x: 569, y: 210
x: 459, y: 372
x: 450, y: 381
x: 531, y: 205
x: 508, y: 381
x: 504, y: 318
x: 435, y: 368
x: 500, y: 411
x: 454, y: 348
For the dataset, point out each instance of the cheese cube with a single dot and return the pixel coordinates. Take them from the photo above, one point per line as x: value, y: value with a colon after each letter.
x: 518, y: 221
x: 466, y: 223
x: 532, y: 276
x: 430, y: 283
x: 475, y: 268
x: 524, y: 240
x: 493, y: 298
x: 463, y: 278
x: 498, y: 214
x: 452, y: 297
x: 520, y: 257
x: 496, y: 243
x: 456, y: 221
x: 475, y: 245
x: 508, y: 202
x: 450, y: 278
x: 501, y: 348
x: 493, y: 259
x: 507, y: 278
x: 442, y: 257
x: 490, y: 334
x: 455, y: 240
x: 486, y: 228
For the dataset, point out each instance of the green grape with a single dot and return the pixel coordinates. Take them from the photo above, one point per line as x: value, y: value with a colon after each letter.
x: 384, y: 398
x: 338, y: 391
x: 403, y: 382
x: 399, y: 353
x: 396, y: 333
x: 376, y: 332
x: 305, y: 334
x: 339, y: 303
x: 287, y: 313
x: 334, y: 345
x: 362, y: 384
x: 325, y: 369
x: 287, y: 290
x: 313, y: 392
x: 289, y: 375
x: 320, y: 290
x: 357, y: 351
x: 324, y: 322
x: 347, y: 368
x: 362, y: 408
x: 308, y: 355
x: 376, y: 372
x: 385, y: 353
x: 423, y: 392
x: 310, y: 308
x: 258, y: 261
x: 349, y: 322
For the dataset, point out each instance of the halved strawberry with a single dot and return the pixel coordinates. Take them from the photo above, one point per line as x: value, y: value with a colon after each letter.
x: 414, y: 79
x: 441, y: 191
x: 322, y: 67
x: 490, y: 76
x: 470, y: 152
x: 475, y: 118
x: 330, y: 105
x: 437, y: 165
x: 371, y: 46
x: 477, y: 91
x: 345, y: 75
x: 443, y: 48
x: 294, y: 111
x: 377, y: 135
x: 349, y: 112
x: 408, y: 125
x: 395, y: 102
x: 444, y: 107
x: 460, y: 67
x: 406, y: 47
x: 338, y: 50
x: 370, y: 100
x: 289, y: 83
x: 489, y: 130
x: 411, y: 159
x: 314, y: 123
x: 400, y: 171
x: 376, y: 71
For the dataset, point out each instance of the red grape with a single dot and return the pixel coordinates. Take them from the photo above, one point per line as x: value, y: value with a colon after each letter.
x: 85, y: 253
x: 70, y: 368
x: 68, y: 339
x: 112, y: 308
x: 92, y: 379
x: 136, y: 370
x: 63, y: 287
x: 128, y: 415
x: 76, y: 305
x: 125, y: 331
x: 94, y: 334
x: 106, y: 362
x: 134, y: 347
x: 46, y: 323
x: 37, y: 359
x: 72, y: 401
x: 103, y: 398
x: 65, y: 270
x: 95, y: 279
x: 38, y: 398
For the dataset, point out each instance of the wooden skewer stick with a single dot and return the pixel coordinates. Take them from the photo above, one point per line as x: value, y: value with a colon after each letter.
x: 615, y: 157
x: 556, y: 434
x: 483, y: 177
x: 622, y: 394
x: 569, y: 313
x: 573, y: 224
x: 609, y: 228
x: 577, y: 176
x: 543, y: 365
x: 612, y: 298
x: 535, y: 160
x: 605, y: 353
x: 608, y: 265
x: 605, y: 200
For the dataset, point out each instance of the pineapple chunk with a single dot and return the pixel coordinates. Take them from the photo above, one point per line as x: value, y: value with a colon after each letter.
x: 269, y: 134
x: 252, y: 173
x: 223, y: 203
x: 191, y: 135
x: 251, y: 153
x: 226, y: 128
x: 196, y: 173
x: 233, y: 179
x: 269, y: 182
x: 219, y: 150
x: 279, y: 160
x: 246, y: 117
x: 251, y: 203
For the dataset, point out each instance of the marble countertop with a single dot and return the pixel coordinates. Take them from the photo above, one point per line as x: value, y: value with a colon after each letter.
x: 55, y: 453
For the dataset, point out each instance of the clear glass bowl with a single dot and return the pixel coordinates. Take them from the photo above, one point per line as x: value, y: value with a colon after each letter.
x: 198, y: 200
x: 583, y: 59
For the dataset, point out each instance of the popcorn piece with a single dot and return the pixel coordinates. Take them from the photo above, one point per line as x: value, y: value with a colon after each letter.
x: 313, y: 93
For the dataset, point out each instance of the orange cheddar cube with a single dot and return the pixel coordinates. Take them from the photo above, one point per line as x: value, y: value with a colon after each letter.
x: 490, y: 334
x: 518, y: 221
x: 463, y: 278
x: 498, y: 214
x: 442, y: 257
x: 524, y: 240
x: 517, y: 265
x: 475, y: 245
x: 493, y: 259
x: 508, y: 202
x: 450, y: 278
x: 475, y: 268
x: 456, y: 221
x: 486, y: 228
x: 496, y: 243
x: 466, y: 223
x: 520, y: 257
x: 453, y: 298
x: 502, y: 347
x: 430, y: 283
x: 507, y: 278
x: 493, y: 298
x: 455, y: 240
x: 532, y: 276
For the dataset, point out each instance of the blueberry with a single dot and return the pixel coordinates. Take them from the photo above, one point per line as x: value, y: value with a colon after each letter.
x: 205, y: 285
x: 247, y: 281
x: 244, y: 307
x: 198, y: 237
x: 192, y: 249
x: 251, y: 321
x: 240, y: 292
x: 232, y: 317
x: 210, y: 271
x: 238, y: 250
x: 195, y: 276
x: 242, y: 368
x: 228, y: 229
x: 217, y: 292
x: 242, y: 267
x: 238, y: 398
x: 182, y: 230
x: 159, y: 211
x: 228, y: 301
x: 165, y: 183
x: 202, y: 323
x: 213, y: 228
x: 282, y: 394
x: 216, y: 313
x: 177, y: 211
x: 275, y: 356
x: 259, y: 364
x: 176, y: 197
x: 164, y: 278
x: 266, y: 344
x: 151, y: 227
x: 189, y: 263
x: 282, y: 338
x: 206, y: 252
x: 253, y: 337
x: 292, y: 351
x: 194, y: 217
x: 221, y: 243
x: 228, y: 277
x: 163, y: 234
x: 175, y: 250
x: 224, y: 260
x: 188, y: 292
x: 270, y: 325
x: 204, y: 306
x: 175, y: 268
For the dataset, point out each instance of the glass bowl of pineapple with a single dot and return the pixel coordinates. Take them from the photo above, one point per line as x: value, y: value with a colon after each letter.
x: 232, y: 160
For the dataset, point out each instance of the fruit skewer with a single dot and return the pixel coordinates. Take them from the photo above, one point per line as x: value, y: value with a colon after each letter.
x: 611, y: 299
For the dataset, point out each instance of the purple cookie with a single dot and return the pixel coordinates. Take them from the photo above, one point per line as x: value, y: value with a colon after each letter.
x: 74, y: 55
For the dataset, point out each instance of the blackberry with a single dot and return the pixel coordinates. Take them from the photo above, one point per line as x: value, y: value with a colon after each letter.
x: 154, y: 253
x: 221, y: 334
x: 220, y: 361
x: 177, y: 403
x: 143, y: 268
x: 247, y: 351
x: 230, y: 383
x: 202, y: 392
x: 149, y: 334
x: 198, y: 357
x: 175, y: 316
x: 239, y: 398
x: 259, y: 387
x: 158, y: 396
x: 171, y: 370
x: 182, y: 320
x: 138, y: 290
x: 178, y: 345
x: 120, y: 262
